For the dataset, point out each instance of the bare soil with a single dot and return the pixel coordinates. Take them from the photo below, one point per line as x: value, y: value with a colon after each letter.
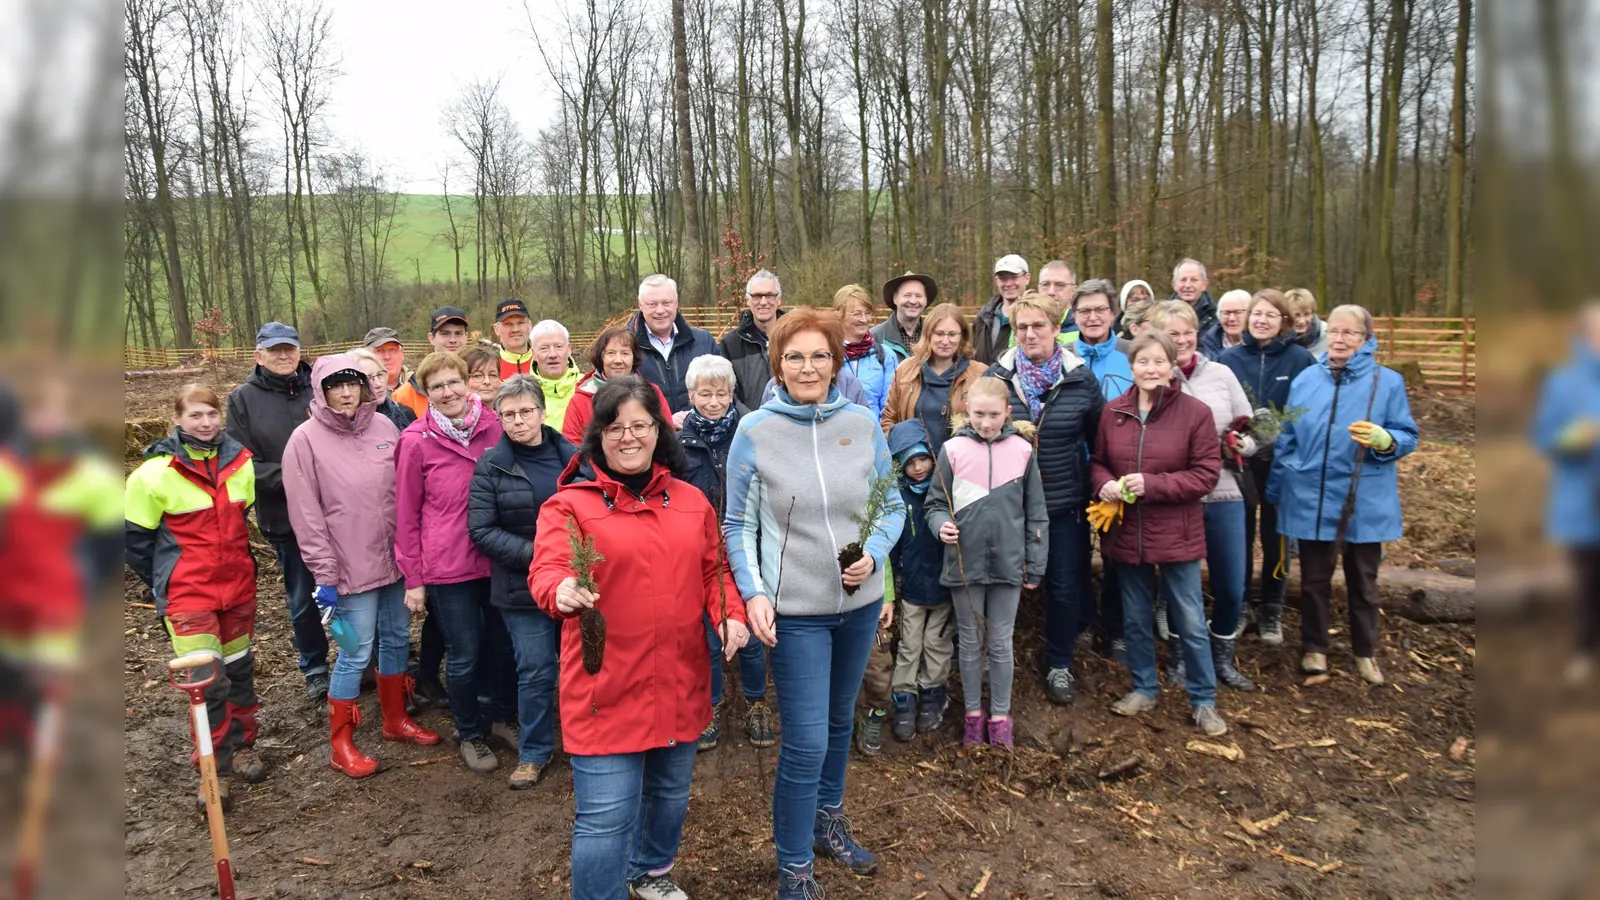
x: 1342, y: 790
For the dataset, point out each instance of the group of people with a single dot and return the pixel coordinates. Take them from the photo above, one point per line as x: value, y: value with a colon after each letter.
x: 846, y: 507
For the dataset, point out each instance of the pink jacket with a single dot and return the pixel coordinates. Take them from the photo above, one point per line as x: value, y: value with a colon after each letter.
x: 432, y: 482
x: 338, y: 477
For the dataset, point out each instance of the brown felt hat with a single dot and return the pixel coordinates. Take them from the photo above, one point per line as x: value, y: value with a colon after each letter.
x: 893, y: 284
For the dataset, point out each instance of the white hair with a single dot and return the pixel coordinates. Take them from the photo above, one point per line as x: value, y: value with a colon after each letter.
x: 710, y: 368
x: 1359, y: 313
x: 549, y: 327
x: 764, y: 275
x: 1238, y: 294
x: 655, y: 281
x: 1186, y: 261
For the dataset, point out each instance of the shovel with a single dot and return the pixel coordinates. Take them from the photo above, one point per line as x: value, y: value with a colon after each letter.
x: 41, y: 778
x: 182, y: 675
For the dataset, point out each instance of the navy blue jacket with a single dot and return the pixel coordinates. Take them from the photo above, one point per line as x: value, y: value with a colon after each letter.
x: 503, y: 511
x: 708, y: 462
x: 1266, y: 371
x: 669, y: 374
x: 1068, y: 424
x: 918, y: 557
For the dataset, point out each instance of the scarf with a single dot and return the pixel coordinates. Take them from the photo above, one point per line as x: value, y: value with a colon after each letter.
x: 1194, y: 363
x: 858, y: 349
x: 1036, y: 379
x: 469, y: 423
x: 715, y: 431
x: 201, y: 446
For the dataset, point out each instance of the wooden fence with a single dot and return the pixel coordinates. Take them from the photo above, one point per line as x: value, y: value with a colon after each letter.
x: 1444, y: 350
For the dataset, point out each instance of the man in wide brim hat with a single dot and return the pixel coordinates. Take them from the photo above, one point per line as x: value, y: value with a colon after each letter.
x: 901, y: 330
x: 929, y: 286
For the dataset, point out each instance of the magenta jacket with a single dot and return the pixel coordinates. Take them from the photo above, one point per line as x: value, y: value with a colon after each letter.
x: 432, y: 482
x: 338, y: 477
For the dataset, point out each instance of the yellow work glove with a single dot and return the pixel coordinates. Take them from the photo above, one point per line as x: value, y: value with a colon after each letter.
x: 1580, y: 435
x: 1371, y: 436
x: 1104, y: 513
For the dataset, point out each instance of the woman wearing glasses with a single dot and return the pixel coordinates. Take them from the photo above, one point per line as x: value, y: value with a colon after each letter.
x: 800, y: 471
x: 932, y: 384
x: 434, y: 467
x: 509, y: 485
x: 483, y: 373
x: 1266, y: 362
x: 633, y: 705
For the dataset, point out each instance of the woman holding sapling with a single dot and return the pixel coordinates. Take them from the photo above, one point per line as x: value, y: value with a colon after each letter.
x: 626, y: 557
x: 809, y: 475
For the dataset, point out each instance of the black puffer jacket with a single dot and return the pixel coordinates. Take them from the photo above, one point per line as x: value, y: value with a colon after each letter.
x: 746, y: 347
x: 503, y: 511
x: 708, y: 461
x: 262, y: 413
x: 1067, y: 426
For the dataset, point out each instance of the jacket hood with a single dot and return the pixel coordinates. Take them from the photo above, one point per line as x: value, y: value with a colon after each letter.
x: 1087, y: 352
x: 1362, y: 362
x: 172, y: 445
x: 293, y: 385
x: 581, y: 474
x: 906, y: 435
x: 782, y: 404
x: 1122, y: 300
x: 325, y: 366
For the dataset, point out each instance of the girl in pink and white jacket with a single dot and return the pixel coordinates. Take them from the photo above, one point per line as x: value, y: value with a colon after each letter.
x: 987, y: 505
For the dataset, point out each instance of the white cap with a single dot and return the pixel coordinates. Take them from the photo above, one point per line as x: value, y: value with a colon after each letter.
x: 1010, y: 263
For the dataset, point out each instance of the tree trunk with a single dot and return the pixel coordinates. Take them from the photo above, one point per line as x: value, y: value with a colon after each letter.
x: 1106, y: 182
x: 696, y: 264
x: 1455, y: 256
x: 1169, y: 45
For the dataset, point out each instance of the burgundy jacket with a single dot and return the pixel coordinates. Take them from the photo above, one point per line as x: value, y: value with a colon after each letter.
x: 1177, y: 451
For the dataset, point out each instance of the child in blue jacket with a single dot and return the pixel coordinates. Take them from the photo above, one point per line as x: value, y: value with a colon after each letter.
x: 927, y: 637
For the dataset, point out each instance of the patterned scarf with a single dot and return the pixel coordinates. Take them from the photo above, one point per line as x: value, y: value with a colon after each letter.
x: 469, y: 423
x: 857, y: 349
x: 715, y: 431
x: 1036, y: 379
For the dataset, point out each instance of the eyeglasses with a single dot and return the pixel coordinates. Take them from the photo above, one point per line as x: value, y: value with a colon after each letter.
x: 517, y: 415
x: 637, y: 429
x: 1230, y: 313
x: 1345, y: 333
x: 440, y: 387
x: 763, y: 296
x: 712, y: 395
x: 1266, y: 315
x: 798, y: 360
x: 1034, y: 326
x: 1092, y: 311
x: 483, y: 377
x: 1181, y: 335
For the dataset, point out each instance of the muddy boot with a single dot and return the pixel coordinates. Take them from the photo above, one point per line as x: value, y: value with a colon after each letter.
x: 905, y: 716
x: 343, y: 717
x: 397, y: 725
x: 1222, y: 649
x: 869, y: 736
x: 1176, y: 670
x: 1269, y: 622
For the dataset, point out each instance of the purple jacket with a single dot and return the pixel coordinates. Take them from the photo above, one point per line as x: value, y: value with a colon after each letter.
x: 338, y: 476
x: 432, y: 484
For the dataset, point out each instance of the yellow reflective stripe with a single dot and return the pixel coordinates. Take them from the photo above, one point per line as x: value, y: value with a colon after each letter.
x: 236, y: 648
x: 10, y: 483
x: 156, y: 489
x: 88, y: 491
x: 53, y: 648
x: 193, y: 643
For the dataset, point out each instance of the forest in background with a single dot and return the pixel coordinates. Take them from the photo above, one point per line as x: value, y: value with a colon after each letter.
x: 1317, y: 143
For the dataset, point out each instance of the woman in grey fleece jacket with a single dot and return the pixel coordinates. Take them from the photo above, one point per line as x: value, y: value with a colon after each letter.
x: 799, y: 470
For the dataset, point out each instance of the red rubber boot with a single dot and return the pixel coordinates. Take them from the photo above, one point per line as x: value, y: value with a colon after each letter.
x: 397, y: 725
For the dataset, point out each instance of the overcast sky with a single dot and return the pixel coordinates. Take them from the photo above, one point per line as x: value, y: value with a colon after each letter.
x: 405, y: 60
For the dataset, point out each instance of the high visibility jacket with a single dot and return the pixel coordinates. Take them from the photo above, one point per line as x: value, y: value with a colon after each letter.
x: 58, y: 513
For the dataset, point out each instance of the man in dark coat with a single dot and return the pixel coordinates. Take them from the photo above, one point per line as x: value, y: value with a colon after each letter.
x: 745, y: 345
x: 1189, y: 282
x: 665, y: 341
x: 262, y: 413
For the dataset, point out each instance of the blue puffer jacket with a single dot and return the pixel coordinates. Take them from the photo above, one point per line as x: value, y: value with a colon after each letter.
x: 1267, y: 370
x: 875, y: 371
x: 1108, y: 360
x: 1316, y: 457
x: 1571, y: 395
x: 918, y: 556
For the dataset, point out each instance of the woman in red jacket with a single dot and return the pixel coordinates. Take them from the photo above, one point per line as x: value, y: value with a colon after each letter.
x: 1159, y: 448
x: 631, y: 725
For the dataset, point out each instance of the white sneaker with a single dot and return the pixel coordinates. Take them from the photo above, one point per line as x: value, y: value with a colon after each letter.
x: 1133, y: 704
x: 1367, y: 667
x: 1209, y: 720
x: 1314, y: 664
x: 656, y: 887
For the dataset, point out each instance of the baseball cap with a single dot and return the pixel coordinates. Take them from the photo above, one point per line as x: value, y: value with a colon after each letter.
x: 1012, y: 263
x: 274, y: 333
x: 446, y: 314
x: 511, y: 308
x: 379, y: 336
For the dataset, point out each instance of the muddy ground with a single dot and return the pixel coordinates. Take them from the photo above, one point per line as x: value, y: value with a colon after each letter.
x: 1342, y: 790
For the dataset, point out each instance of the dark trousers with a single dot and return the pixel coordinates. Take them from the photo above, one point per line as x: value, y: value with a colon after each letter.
x: 1070, y: 603
x: 1316, y: 594
x: 430, y: 656
x: 1586, y: 565
x: 1270, y: 588
x: 310, y: 640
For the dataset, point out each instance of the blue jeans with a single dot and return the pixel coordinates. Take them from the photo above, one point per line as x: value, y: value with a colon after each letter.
x: 1186, y: 616
x: 536, y: 641
x: 630, y: 813
x: 380, y: 617
x: 310, y: 641
x: 752, y: 667
x: 461, y: 611
x: 1071, y: 603
x: 816, y: 670
x: 1227, y: 561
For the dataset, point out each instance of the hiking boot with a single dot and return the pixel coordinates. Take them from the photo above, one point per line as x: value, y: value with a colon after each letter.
x: 1177, y: 672
x: 1133, y: 703
x: 1119, y: 652
x: 972, y: 729
x: 869, y: 737
x: 713, y: 733
x: 1000, y: 732
x: 343, y: 717
x: 222, y: 794
x: 508, y: 733
x: 758, y: 725
x: 833, y: 836
x: 1314, y: 664
x: 798, y: 883
x: 1060, y: 686
x: 905, y: 716
x: 1366, y: 667
x: 430, y: 692
x: 1269, y: 623
x: 525, y: 775
x: 317, y: 687
x: 656, y: 887
x: 478, y: 757
x: 1209, y: 720
x: 249, y: 766
x: 931, y: 706
x: 1222, y: 650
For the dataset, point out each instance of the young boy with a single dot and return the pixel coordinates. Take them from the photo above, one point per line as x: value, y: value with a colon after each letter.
x: 927, y: 641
